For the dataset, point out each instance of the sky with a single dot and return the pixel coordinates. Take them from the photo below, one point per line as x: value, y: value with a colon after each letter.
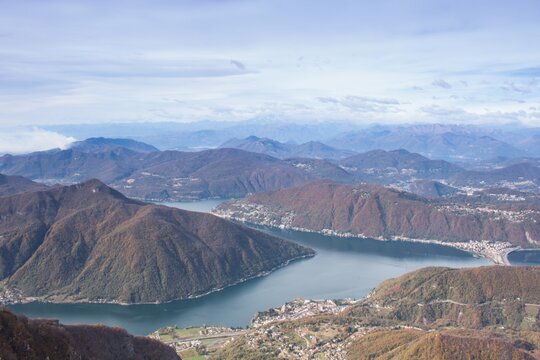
x: 388, y: 61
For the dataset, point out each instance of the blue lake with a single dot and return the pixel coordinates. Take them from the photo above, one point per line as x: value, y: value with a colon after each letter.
x: 524, y: 257
x: 343, y: 267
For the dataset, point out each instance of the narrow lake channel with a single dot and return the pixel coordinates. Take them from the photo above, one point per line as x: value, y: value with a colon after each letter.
x: 343, y: 267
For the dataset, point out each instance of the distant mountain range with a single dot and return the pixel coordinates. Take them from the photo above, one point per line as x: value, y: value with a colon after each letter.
x: 34, y: 339
x: 481, y: 313
x: 72, y: 165
x: 311, y: 149
x: 464, y: 143
x: 381, y: 166
x: 207, y: 134
x: 525, y: 175
x: 448, y: 142
x: 87, y: 242
x: 210, y: 173
x: 379, y: 212
x: 171, y: 175
x: 227, y: 172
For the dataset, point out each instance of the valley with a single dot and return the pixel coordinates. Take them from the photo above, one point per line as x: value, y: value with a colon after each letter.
x: 269, y: 180
x: 316, y: 216
x: 335, y: 264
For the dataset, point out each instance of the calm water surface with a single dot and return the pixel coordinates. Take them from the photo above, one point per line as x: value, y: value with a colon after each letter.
x: 343, y: 267
x: 524, y: 257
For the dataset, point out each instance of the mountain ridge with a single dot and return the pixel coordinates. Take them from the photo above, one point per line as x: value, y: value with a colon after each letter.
x: 379, y: 212
x: 485, y: 313
x: 23, y: 338
x: 94, y: 144
x: 99, y: 245
x: 11, y: 185
x: 310, y: 149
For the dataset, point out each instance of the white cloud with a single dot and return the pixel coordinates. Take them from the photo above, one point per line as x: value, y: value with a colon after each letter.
x: 19, y: 140
x: 362, y: 103
x: 90, y: 62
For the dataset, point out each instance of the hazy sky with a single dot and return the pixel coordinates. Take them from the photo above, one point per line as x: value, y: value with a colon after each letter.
x: 387, y: 61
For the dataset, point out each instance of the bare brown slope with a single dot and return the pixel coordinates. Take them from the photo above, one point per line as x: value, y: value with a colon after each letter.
x: 88, y: 242
x: 210, y: 173
x: 22, y: 338
x: 11, y: 185
x: 398, y: 164
x: 469, y: 285
x: 472, y: 298
x: 160, y: 175
x: 441, y: 345
x: 72, y: 165
x: 375, y: 211
x: 434, y: 313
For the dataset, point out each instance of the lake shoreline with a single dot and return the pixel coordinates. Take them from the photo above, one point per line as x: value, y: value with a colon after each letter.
x: 342, y: 268
x: 30, y: 299
x: 496, y: 252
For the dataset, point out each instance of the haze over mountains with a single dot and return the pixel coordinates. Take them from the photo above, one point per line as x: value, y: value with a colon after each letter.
x: 311, y: 149
x: 138, y: 171
x: 448, y: 142
x: 206, y: 134
x: 97, y: 245
x: 100, y: 246
x: 436, y: 141
x: 160, y: 175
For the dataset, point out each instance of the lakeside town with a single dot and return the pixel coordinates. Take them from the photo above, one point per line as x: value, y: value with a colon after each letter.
x: 326, y: 340
x: 495, y: 251
x: 300, y: 308
x: 203, y: 341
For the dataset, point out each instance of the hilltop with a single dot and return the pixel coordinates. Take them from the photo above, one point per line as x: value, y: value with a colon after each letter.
x: 161, y: 175
x: 310, y: 149
x: 88, y: 242
x: 11, y: 185
x: 71, y: 165
x: 206, y: 174
x: 448, y: 142
x: 385, y: 213
x: 435, y: 313
x: 35, y: 339
x: 97, y: 144
x: 389, y: 166
x: 472, y: 298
